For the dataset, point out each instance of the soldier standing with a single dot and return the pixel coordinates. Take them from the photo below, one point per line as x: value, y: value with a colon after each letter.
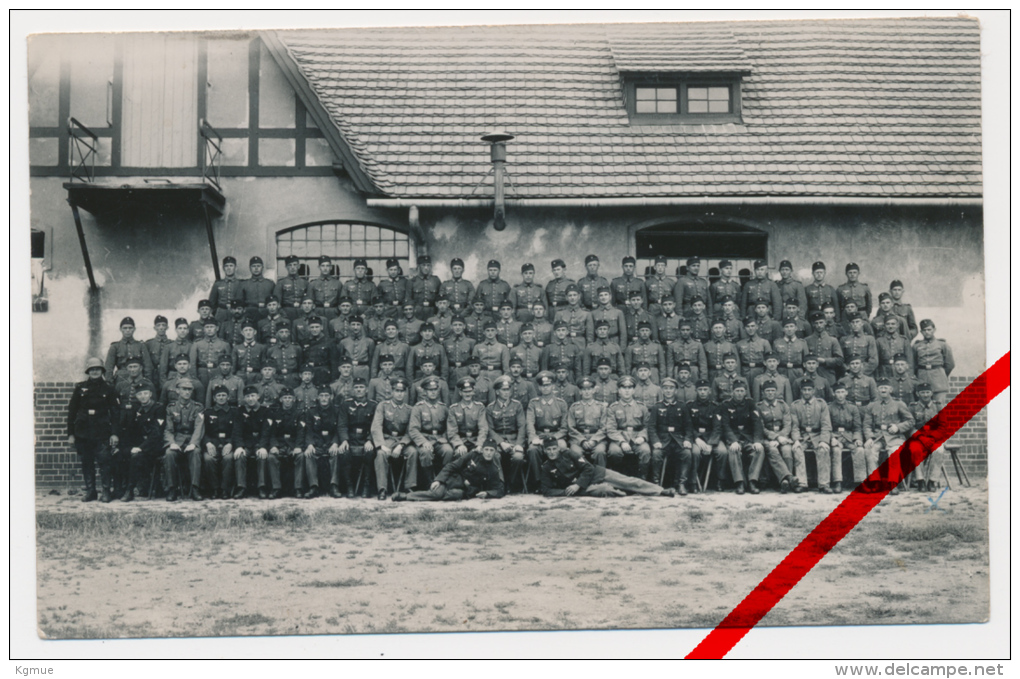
x: 933, y: 360
x: 891, y: 344
x: 395, y: 349
x: 859, y: 344
x: 690, y: 285
x: 272, y: 321
x: 181, y: 345
x: 591, y: 282
x: 606, y: 387
x: 825, y: 348
x: 752, y: 351
x: 812, y: 431
x: 556, y: 289
x: 525, y: 294
x: 861, y: 388
x: 230, y: 329
x: 424, y: 289
x: 156, y: 346
x: 790, y: 350
x: 457, y: 290
x: 205, y: 353
x: 667, y: 323
x: 902, y: 308
x: 493, y: 357
x: 904, y: 386
x: 658, y: 286
x: 248, y: 356
x: 854, y: 290
x: 716, y: 350
x: 92, y: 428
x: 688, y: 349
x: 466, y: 424
x: 508, y: 331
x: 409, y: 326
x: 760, y: 289
x: 494, y: 290
x: 562, y: 352
x: 395, y: 290
x: 458, y: 349
x: 360, y: 289
x: 627, y: 285
x: 287, y: 356
x: 520, y: 389
x: 790, y: 289
x: 291, y: 289
x: 443, y: 320
x: 359, y: 349
x: 818, y: 292
x: 727, y: 285
x: 256, y: 289
x: 427, y: 348
x: 777, y: 428
x: 318, y: 353
x: 124, y: 349
x: 580, y: 327
x: 197, y: 328
x: 602, y: 347
x: 885, y: 312
x: 609, y: 314
x: 225, y: 290
x: 324, y: 290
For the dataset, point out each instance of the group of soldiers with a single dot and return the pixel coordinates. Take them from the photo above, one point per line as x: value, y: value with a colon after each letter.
x: 428, y: 390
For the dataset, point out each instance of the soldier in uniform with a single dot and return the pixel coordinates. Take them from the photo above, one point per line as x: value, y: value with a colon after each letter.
x: 722, y: 385
x: 225, y: 290
x: 826, y: 348
x: 395, y: 349
x: 790, y: 289
x: 646, y: 391
x: 409, y: 326
x: 322, y: 446
x: 466, y: 424
x: 668, y: 432
x: 761, y: 288
x: 306, y: 394
x: 521, y: 389
x: 268, y: 386
x: 428, y: 348
x: 206, y: 352
x: 792, y: 312
x: 587, y: 435
x: 458, y: 349
x: 933, y: 361
x: 690, y: 285
x: 783, y: 387
x: 768, y: 329
x: 891, y: 344
x: 562, y: 352
x: 493, y: 356
x: 777, y: 426
x: 832, y: 324
x: 256, y: 289
x: 182, y: 438
x: 847, y: 437
x: 318, y: 352
x: 846, y: 324
x: 884, y: 313
x: 727, y: 285
x: 580, y: 326
x: 140, y: 433
x: 427, y: 428
x: 706, y: 430
x: 743, y: 436
x: 182, y: 371
x: 483, y: 384
x: 424, y: 289
x: 507, y: 425
x: 812, y: 431
x: 343, y: 386
x: 494, y: 290
x: 248, y: 356
x: 181, y: 345
x: 658, y: 286
x: 923, y: 410
x: 546, y: 416
x: 903, y: 308
x: 591, y: 282
x: 645, y: 350
x: 443, y: 319
x: 543, y: 328
x: 822, y: 388
x: 887, y: 423
x: 524, y: 295
x: 634, y: 315
x: 606, y: 387
x: 686, y: 389
x: 602, y: 347
x: 221, y: 435
x: 752, y: 351
x: 156, y: 346
x: 563, y: 387
x: 818, y: 292
x: 286, y: 434
x: 359, y: 348
x: 476, y: 475
x: 686, y: 349
x: 376, y: 320
x: 127, y: 384
x: 790, y: 350
x: 291, y: 289
x: 354, y: 430
x: 855, y: 290
x: 457, y: 290
x: 272, y: 321
x: 325, y: 290
x: 528, y: 352
x: 287, y: 356
x: 861, y: 388
x: 701, y: 324
x: 127, y: 347
x: 197, y: 328
x: 360, y: 289
x: 627, y: 285
x: 566, y: 473
x: 627, y: 430
x: 395, y: 290
x: 556, y: 289
x: 392, y: 440
x: 605, y: 312
x: 230, y: 329
x: 92, y: 428
x: 254, y: 444
x: 508, y: 331
x: 904, y: 386
x: 301, y: 331
x: 474, y: 322
x: 716, y: 350
x: 667, y: 323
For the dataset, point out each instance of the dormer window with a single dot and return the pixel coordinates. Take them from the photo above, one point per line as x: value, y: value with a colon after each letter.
x: 659, y: 99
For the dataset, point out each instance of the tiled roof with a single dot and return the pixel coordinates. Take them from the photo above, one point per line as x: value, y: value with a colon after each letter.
x: 867, y: 108
x: 675, y: 47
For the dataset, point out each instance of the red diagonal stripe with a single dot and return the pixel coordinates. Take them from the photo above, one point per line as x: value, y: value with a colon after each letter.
x: 849, y: 513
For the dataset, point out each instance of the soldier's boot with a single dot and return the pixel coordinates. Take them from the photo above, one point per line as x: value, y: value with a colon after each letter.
x: 128, y: 495
x: 784, y: 485
x: 753, y: 487
x: 366, y: 476
x: 345, y: 474
x: 106, y: 497
x: 334, y: 491
x: 740, y: 488
x: 195, y: 494
x: 314, y: 492
x: 90, y: 495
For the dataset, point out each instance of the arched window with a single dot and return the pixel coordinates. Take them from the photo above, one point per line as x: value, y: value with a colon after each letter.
x: 711, y: 240
x: 343, y: 242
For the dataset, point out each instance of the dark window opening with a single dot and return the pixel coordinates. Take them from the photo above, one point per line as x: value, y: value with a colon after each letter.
x: 711, y: 242
x: 38, y: 244
x: 343, y: 242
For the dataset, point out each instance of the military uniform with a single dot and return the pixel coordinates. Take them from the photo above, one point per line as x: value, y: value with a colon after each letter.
x: 156, y: 346
x: 546, y: 416
x: 398, y: 351
x: 121, y: 352
x: 223, y: 293
x: 562, y: 354
x: 903, y: 387
x: 847, y: 440
x: 556, y: 292
x: 463, y: 479
x: 625, y: 422
x: 721, y: 289
x: 649, y: 352
x: 290, y: 290
x: 493, y: 293
x: 768, y: 329
x: 691, y: 351
x: 791, y: 355
x: 667, y: 328
x: 792, y: 290
x: 889, y: 346
x: 230, y: 330
x: 442, y: 322
x: 715, y: 351
x: 427, y: 428
x: 928, y: 469
x: 812, y: 430
x: 305, y: 396
x: 185, y: 426
x: 318, y: 353
x: 752, y: 352
x: 255, y: 436
x: 741, y: 424
x: 390, y: 429
x: 342, y: 388
x: 523, y: 297
x: 254, y: 293
x: 606, y: 390
x: 865, y: 347
x: 722, y: 385
x: 409, y: 330
x: 325, y: 292
x: 616, y: 320
x: 459, y: 292
x: 632, y: 319
x: 418, y: 393
x: 287, y: 357
x: 887, y: 423
x: 167, y: 367
x: 878, y: 323
x: 493, y: 357
x: 269, y: 392
x: 647, y: 392
x: 818, y: 295
x: 589, y: 286
x: 543, y: 332
x: 508, y: 332
x: 205, y: 356
x: 586, y: 431
x: 354, y: 425
x: 360, y: 351
x: 906, y: 311
x: 933, y: 361
x: 222, y: 428
x: 248, y: 360
x: 705, y: 434
x: 687, y: 288
x: 783, y: 388
x: 580, y: 326
x: 822, y: 388
x: 668, y: 430
x: 458, y: 350
x: 530, y: 355
x: 395, y: 292
x: 197, y: 328
x: 430, y: 350
x: 830, y: 355
x: 624, y: 287
x: 92, y: 420
x: 760, y: 290
x: 141, y: 427
x: 785, y: 461
x: 362, y: 293
x: 286, y: 435
x: 320, y: 435
x: 520, y: 389
x: 168, y: 393
x: 686, y: 391
x: 602, y: 349
x: 508, y: 425
x: 268, y: 327
x: 658, y: 288
x: 861, y: 389
x: 857, y: 292
x: 424, y: 291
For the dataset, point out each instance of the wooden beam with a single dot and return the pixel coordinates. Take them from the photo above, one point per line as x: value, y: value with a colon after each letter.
x: 84, y: 247
x: 212, y: 240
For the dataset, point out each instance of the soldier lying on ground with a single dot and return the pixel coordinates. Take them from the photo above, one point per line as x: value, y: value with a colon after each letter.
x: 566, y: 473
x: 473, y: 475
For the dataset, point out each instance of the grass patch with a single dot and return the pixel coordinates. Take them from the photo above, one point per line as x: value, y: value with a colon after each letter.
x: 346, y: 582
x: 886, y: 595
x: 229, y: 626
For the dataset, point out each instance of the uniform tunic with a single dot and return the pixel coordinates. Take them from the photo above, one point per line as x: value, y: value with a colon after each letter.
x: 879, y: 415
x: 602, y: 349
x: 623, y: 288
x: 566, y: 391
x: 687, y: 288
x: 340, y: 327
x: 185, y: 424
x: 409, y: 330
x: 857, y: 292
x: 93, y: 411
x: 632, y: 319
x: 254, y: 293
x: 690, y: 350
x: 286, y: 429
x: 878, y: 322
x: 864, y: 346
x: 888, y: 346
x: 354, y: 423
x: 523, y: 297
x: 222, y: 425
x: 647, y: 351
x: 547, y: 416
x: 361, y: 292
x: 792, y: 290
x: 223, y: 292
x: 248, y: 360
x: 493, y: 293
x: 424, y: 290
x: 428, y: 422
x: 318, y: 352
x: 389, y: 424
x: 933, y: 360
x: 784, y: 389
x: 360, y: 351
x: 657, y: 289
x: 580, y: 327
x: 269, y: 325
x: 230, y: 330
x: 830, y: 355
x: 442, y: 323
x: 723, y: 287
x: 715, y: 350
x: 395, y: 292
x: 508, y: 332
x: 507, y: 422
x: 562, y: 354
x: 121, y: 351
x: 521, y: 390
x: 706, y: 422
x: 590, y: 289
x: 556, y: 292
x: 493, y: 356
x: 458, y: 351
x: 818, y: 295
x: 861, y: 389
x: 399, y: 351
x: 822, y: 388
x: 752, y: 356
x: 430, y: 350
x: 626, y: 421
x: 459, y: 292
x: 233, y: 384
x: 791, y: 354
x: 903, y: 387
x: 290, y: 290
x: 466, y: 425
x: 606, y: 390
x: 287, y: 357
x: 325, y: 292
x: 760, y: 290
x: 616, y: 320
x: 585, y: 422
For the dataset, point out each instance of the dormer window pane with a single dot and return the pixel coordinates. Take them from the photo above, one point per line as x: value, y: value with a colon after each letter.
x: 655, y: 100
x: 708, y: 99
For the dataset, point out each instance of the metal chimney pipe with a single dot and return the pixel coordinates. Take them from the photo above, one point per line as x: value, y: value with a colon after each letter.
x: 498, y: 140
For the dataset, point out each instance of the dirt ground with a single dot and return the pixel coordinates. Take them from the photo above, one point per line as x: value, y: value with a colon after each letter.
x: 324, y: 566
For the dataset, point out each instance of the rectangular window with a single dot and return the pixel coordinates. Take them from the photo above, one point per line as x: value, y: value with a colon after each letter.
x: 656, y: 99
x: 663, y: 99
x: 714, y: 99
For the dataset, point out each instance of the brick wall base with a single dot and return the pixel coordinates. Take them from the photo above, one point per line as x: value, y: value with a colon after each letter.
x: 56, y: 463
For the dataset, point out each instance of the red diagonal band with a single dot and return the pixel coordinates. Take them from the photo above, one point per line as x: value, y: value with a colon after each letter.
x: 850, y: 511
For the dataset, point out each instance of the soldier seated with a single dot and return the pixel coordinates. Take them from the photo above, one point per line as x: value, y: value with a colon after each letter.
x: 564, y: 472
x: 285, y: 440
x: 668, y: 426
x: 777, y: 428
x: 322, y: 446
x: 254, y: 444
x: 924, y: 409
x: 626, y: 428
x: 812, y: 432
x: 222, y: 436
x: 584, y: 424
x: 743, y: 435
x: 141, y: 434
x: 184, y: 428
x: 847, y: 436
x: 392, y: 440
x: 354, y: 427
x: 475, y: 475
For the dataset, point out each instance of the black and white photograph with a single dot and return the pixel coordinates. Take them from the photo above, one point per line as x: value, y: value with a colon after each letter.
x: 505, y: 327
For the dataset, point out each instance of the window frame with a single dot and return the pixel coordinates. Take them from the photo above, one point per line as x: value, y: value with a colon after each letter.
x: 378, y: 273
x: 681, y: 83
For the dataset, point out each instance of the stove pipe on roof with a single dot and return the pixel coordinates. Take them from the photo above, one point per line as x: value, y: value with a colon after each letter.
x: 498, y: 140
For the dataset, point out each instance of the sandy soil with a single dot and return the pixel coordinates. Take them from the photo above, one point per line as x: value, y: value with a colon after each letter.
x: 153, y: 569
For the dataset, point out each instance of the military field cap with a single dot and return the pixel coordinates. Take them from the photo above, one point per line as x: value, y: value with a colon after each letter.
x: 636, y: 294
x: 765, y: 304
x: 427, y: 325
x: 503, y: 382
x: 572, y: 288
x: 884, y: 382
x: 344, y: 300
x: 527, y: 267
x: 361, y: 261
x: 818, y: 266
x: 360, y: 381
x: 425, y: 359
x: 181, y: 357
x: 310, y: 367
x: 629, y: 260
x: 827, y: 305
x: 591, y: 258
x: 316, y: 320
x: 896, y: 284
x: 730, y: 354
x: 248, y: 323
x: 356, y: 318
x: 627, y: 381
x: 790, y: 303
x: 807, y: 382
x: 558, y: 263
x: 466, y: 383
x: 811, y: 357
x: 204, y: 303
x: 430, y: 383
x: 549, y: 442
x: 538, y: 302
x: 727, y: 298
x: 560, y: 324
x: 749, y: 320
x: 544, y: 378
x: 392, y: 262
x: 472, y: 361
x: 718, y: 321
x: 669, y: 382
x: 923, y: 386
x: 759, y: 263
x: 399, y: 383
x: 738, y: 382
x: 528, y: 326
x: 344, y: 360
x: 927, y: 323
x: 603, y: 361
x: 325, y: 259
x: 768, y: 355
x: 493, y: 264
x: 661, y: 259
x: 684, y: 365
x: 180, y: 321
x: 160, y: 319
x: 291, y: 259
x: 852, y: 266
x: 854, y: 316
x: 390, y: 322
x: 225, y: 358
x: 840, y: 385
x: 854, y: 357
x: 505, y: 304
x: 457, y: 261
x: 603, y: 323
x: 769, y: 384
x: 284, y: 327
x: 133, y: 359
x: 269, y: 363
x: 586, y: 383
x: 145, y: 385
x: 286, y: 391
x: 230, y: 259
x: 255, y: 260
x: 324, y: 390
x: 250, y: 389
x: 489, y: 325
x: 642, y: 364
x: 899, y: 357
x: 489, y: 443
x: 235, y: 304
x: 702, y: 383
x: 386, y: 358
x: 220, y: 389
x: 424, y: 259
x: 816, y: 316
x: 516, y: 359
x: 457, y: 318
x: 725, y: 263
x: 789, y: 321
x: 884, y: 296
x: 849, y: 302
x: 603, y: 288
x: 785, y: 264
x: 127, y: 320
x: 693, y: 260
x: 185, y: 383
x: 95, y: 363
x: 683, y: 322
x: 643, y: 324
x: 210, y: 321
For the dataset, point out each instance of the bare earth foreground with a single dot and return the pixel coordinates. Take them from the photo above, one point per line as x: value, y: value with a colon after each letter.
x: 153, y: 569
